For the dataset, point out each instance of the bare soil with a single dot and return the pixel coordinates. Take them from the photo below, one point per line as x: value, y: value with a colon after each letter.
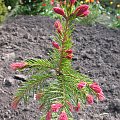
x: 96, y: 54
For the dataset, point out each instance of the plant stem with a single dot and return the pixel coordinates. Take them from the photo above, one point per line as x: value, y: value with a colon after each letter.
x: 63, y: 43
x: 62, y: 56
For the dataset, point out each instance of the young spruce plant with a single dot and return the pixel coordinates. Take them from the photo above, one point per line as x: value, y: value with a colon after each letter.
x: 66, y: 90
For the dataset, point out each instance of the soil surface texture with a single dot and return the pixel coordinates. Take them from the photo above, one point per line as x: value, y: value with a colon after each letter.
x: 96, y: 54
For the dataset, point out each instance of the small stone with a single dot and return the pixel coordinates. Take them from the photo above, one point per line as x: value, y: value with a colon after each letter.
x: 35, y: 38
x: 25, y: 109
x: 30, y: 40
x: 5, y: 107
x: 25, y: 36
x: 7, y: 47
x: 92, y: 51
x: 75, y: 58
x: 9, y: 81
x: 19, y: 58
x: 8, y: 56
x: 98, y: 64
x: 6, y: 116
x: 14, y: 34
x: 20, y: 77
x: 86, y: 55
x: 39, y: 57
x: 9, y: 111
x: 43, y: 37
x: 77, y: 68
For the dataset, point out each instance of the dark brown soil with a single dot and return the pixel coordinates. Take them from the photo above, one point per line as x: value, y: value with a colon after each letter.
x: 96, y: 54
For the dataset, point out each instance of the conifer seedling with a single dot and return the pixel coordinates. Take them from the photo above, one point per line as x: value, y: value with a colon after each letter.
x: 59, y: 88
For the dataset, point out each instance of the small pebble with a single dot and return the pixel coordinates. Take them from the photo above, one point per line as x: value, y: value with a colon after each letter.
x: 9, y: 81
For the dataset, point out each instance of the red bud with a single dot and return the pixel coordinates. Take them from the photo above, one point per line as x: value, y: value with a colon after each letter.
x: 81, y: 85
x: 59, y: 10
x: 69, y: 51
x: 18, y: 65
x: 63, y: 116
x: 58, y: 26
x: 82, y: 10
x: 101, y: 96
x: 55, y: 45
x: 89, y: 99
x: 69, y: 56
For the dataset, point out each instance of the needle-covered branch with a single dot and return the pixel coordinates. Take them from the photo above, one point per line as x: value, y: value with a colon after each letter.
x: 59, y: 89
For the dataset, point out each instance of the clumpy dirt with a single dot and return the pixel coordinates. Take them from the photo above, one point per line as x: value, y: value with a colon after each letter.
x: 96, y: 54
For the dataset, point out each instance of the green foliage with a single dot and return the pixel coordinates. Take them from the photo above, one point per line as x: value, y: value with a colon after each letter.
x: 115, y: 22
x: 39, y: 63
x: 110, y: 20
x: 3, y: 11
x: 11, y: 3
x: 60, y: 86
x: 33, y: 83
x: 115, y: 19
x: 110, y: 3
x: 33, y: 7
